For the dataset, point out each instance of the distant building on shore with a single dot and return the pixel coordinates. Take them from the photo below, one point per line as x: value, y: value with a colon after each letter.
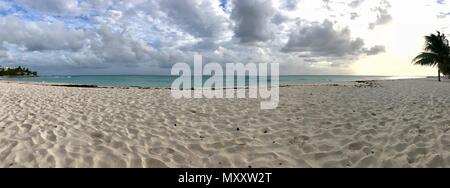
x: 4, y: 68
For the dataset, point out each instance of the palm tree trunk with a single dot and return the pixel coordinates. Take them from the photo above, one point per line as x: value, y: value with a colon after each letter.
x: 439, y: 74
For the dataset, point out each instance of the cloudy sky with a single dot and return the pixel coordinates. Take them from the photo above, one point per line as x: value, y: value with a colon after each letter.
x: 363, y: 37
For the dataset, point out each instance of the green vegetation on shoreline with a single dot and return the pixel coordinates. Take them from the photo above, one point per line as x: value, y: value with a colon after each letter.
x: 19, y: 71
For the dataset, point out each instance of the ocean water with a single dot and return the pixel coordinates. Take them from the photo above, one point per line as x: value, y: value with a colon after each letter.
x: 166, y: 81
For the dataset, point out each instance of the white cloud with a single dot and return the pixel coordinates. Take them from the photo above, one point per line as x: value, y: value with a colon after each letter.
x: 57, y: 7
x: 383, y: 16
x: 103, y: 35
x: 65, y: 45
x: 40, y: 36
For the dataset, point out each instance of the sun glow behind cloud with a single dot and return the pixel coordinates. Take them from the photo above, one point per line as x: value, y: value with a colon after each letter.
x: 404, y: 38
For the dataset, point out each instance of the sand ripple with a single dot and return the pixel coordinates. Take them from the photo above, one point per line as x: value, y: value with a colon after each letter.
x: 401, y: 123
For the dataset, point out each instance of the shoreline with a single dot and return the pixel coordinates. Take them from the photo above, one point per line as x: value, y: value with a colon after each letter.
x: 168, y: 88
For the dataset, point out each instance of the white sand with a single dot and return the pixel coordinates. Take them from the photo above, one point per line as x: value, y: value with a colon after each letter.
x: 402, y: 123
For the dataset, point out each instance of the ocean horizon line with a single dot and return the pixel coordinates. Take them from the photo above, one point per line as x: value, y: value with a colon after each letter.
x: 247, y: 75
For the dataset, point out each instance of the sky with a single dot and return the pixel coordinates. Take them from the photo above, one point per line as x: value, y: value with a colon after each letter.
x: 306, y: 37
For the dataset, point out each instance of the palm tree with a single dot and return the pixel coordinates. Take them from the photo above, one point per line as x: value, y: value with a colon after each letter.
x: 437, y: 53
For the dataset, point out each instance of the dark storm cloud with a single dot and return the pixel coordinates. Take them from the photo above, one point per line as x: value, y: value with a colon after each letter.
x: 195, y: 17
x: 322, y: 40
x: 252, y: 19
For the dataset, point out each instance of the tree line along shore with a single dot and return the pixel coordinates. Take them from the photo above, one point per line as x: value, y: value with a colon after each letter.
x: 18, y: 71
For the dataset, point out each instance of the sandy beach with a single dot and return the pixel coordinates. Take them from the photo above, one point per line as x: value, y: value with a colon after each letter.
x: 401, y: 123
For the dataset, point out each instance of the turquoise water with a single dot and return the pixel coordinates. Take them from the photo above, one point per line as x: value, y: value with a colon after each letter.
x: 166, y: 81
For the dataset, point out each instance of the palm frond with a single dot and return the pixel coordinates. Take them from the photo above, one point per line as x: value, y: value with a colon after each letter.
x: 437, y: 53
x: 426, y: 58
x: 437, y: 44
